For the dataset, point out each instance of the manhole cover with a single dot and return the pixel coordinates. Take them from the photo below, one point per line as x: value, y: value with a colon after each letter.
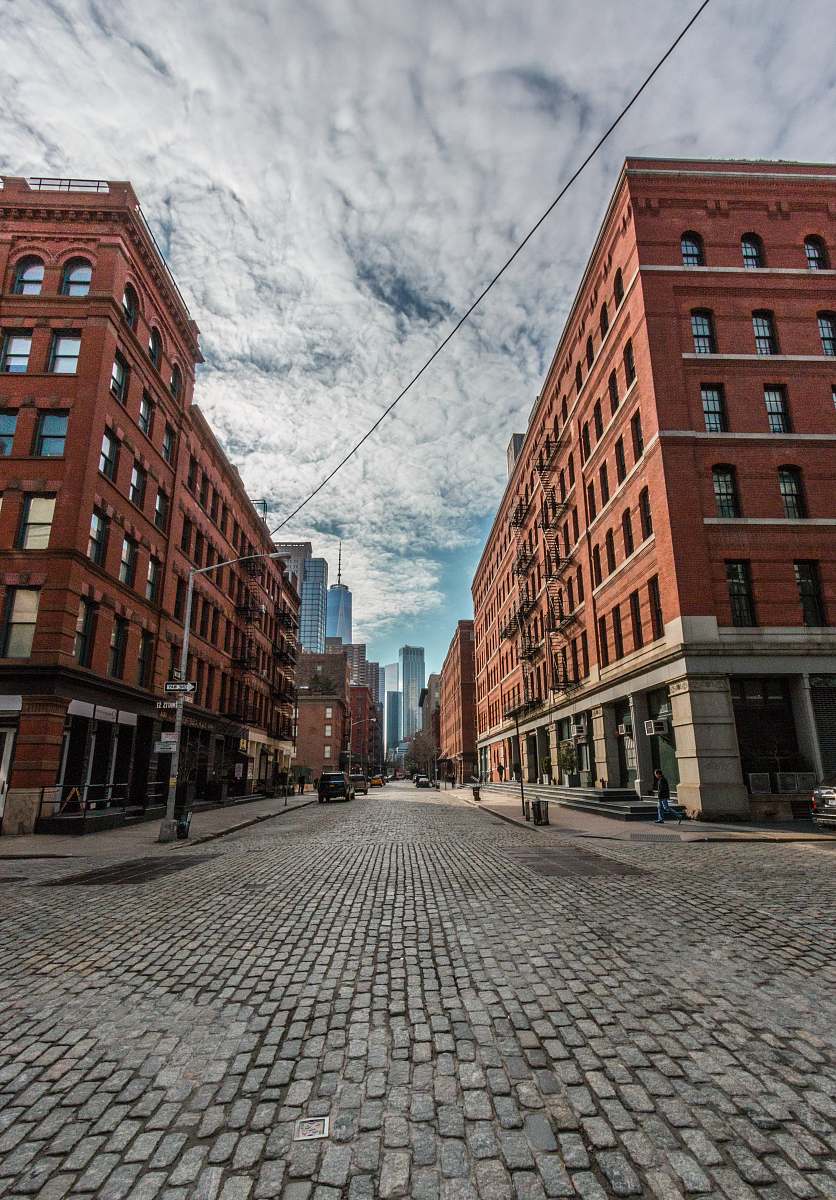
x: 655, y: 837
x: 141, y: 870
x: 309, y: 1128
x: 569, y: 861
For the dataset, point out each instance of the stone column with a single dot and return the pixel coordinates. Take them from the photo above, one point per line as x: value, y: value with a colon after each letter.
x: 644, y: 759
x: 606, y: 745
x: 805, y: 723
x: 710, y: 779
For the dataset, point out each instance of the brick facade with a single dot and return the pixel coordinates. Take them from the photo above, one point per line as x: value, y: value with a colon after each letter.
x: 457, y: 706
x: 324, y: 714
x: 98, y: 422
x: 661, y: 473
x: 364, y: 718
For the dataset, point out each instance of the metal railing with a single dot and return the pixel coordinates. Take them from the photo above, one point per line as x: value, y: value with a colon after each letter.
x: 78, y: 800
x: 49, y: 183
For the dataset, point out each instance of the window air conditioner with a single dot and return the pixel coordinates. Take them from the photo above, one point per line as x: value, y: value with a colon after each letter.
x: 578, y: 728
x: 652, y: 728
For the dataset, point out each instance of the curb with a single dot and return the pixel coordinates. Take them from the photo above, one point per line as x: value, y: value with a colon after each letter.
x: 212, y: 837
x: 501, y: 816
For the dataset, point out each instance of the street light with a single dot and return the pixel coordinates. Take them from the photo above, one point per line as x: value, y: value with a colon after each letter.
x: 168, y: 825
x: 368, y: 721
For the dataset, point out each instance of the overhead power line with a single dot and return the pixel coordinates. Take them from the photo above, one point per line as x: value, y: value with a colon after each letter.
x: 518, y: 250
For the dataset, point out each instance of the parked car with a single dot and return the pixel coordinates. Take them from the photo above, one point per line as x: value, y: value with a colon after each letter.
x: 335, y: 785
x: 824, y: 803
x: 422, y: 781
x: 376, y: 781
x: 361, y: 784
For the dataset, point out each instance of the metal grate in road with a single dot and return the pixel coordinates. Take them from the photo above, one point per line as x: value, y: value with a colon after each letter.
x: 655, y: 837
x: 140, y: 870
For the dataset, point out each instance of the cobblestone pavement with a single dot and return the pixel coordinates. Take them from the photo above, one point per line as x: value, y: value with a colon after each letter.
x: 479, y: 1014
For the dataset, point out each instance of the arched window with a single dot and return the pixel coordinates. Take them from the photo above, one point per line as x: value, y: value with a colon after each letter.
x: 155, y: 347
x: 604, y: 320
x: 176, y: 385
x: 816, y: 253
x: 76, y: 277
x: 627, y: 532
x: 691, y: 246
x: 751, y: 247
x: 578, y: 378
x: 590, y: 352
x: 613, y: 388
x: 645, y: 514
x: 827, y: 333
x: 766, y: 337
x: 130, y: 306
x: 629, y: 364
x: 609, y: 542
x: 725, y: 491
x: 598, y: 420
x: 618, y: 287
x: 792, y: 492
x: 702, y: 331
x: 596, y: 566
x: 29, y: 277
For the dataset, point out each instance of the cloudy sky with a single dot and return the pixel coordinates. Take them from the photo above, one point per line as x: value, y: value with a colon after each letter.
x: 333, y: 182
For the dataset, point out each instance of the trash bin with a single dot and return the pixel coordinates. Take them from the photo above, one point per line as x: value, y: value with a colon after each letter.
x: 183, y: 825
x: 476, y: 792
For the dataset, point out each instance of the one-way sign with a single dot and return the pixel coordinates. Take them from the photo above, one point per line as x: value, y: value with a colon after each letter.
x: 172, y: 685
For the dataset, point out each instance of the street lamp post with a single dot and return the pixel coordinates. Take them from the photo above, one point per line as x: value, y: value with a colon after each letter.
x: 168, y: 825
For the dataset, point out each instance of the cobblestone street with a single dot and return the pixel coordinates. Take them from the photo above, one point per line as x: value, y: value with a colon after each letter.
x: 480, y: 1011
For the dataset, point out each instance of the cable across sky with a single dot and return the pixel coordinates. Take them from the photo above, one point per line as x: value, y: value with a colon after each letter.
x: 495, y: 279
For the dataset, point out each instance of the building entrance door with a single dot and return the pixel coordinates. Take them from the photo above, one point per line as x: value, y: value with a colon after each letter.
x: 7, y: 739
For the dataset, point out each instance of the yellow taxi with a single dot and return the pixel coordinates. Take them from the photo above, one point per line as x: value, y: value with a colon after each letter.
x: 376, y: 781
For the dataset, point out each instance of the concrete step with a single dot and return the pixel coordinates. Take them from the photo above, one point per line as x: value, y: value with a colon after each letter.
x: 637, y: 811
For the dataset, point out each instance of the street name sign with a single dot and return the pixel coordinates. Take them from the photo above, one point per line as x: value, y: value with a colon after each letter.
x: 174, y: 685
x: 164, y: 747
x: 166, y: 704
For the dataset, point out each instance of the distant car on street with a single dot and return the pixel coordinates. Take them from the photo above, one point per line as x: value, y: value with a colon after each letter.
x: 361, y: 784
x: 376, y: 781
x: 335, y: 785
x: 421, y: 781
x: 824, y: 803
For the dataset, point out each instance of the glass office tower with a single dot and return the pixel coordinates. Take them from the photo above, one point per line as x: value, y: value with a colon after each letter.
x: 312, y: 583
x: 411, y: 659
x: 338, y: 620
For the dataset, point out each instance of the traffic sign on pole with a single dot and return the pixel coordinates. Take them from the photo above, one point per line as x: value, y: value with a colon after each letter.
x: 174, y: 685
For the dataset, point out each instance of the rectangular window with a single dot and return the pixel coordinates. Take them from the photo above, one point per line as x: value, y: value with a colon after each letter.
x: 725, y: 492
x: 168, y: 444
x: 618, y: 635
x: 139, y: 482
x: 777, y: 411
x: 204, y: 490
x: 809, y: 592
x: 152, y: 580
x: 97, y: 542
x: 36, y: 522
x: 713, y: 407
x: 16, y: 350
x: 51, y: 435
x: 792, y: 493
x: 590, y: 500
x: 637, y: 435
x: 145, y: 660
x: 213, y: 507
x: 636, y: 620
x: 21, y: 618
x: 766, y: 339
x: 604, y: 482
x: 603, y: 648
x: 118, y: 644
x: 161, y: 510
x: 328, y: 711
x: 109, y: 456
x: 327, y: 752
x: 65, y: 350
x: 739, y: 580
x: 327, y: 730
x: 186, y: 536
x: 119, y: 378
x: 127, y: 563
x: 620, y: 461
x: 180, y: 600
x: 191, y: 478
x: 83, y: 648
x: 198, y: 549
x: 8, y: 424
x: 657, y: 621
x: 146, y: 414
x: 702, y: 331
x: 585, y: 653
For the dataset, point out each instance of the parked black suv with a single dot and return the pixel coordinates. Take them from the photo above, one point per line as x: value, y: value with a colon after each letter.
x: 335, y: 785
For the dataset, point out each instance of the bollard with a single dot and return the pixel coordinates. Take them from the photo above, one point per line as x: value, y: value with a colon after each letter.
x: 476, y: 794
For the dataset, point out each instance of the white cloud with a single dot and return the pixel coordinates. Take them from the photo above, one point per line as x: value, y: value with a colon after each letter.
x: 333, y: 182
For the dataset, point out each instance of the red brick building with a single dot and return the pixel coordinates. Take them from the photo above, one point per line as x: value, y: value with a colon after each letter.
x: 457, y: 707
x: 324, y: 715
x: 658, y: 585
x: 364, y: 740
x: 113, y: 488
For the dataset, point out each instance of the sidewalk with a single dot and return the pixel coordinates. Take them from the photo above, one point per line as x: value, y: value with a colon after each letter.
x: 141, y: 840
x: 566, y: 821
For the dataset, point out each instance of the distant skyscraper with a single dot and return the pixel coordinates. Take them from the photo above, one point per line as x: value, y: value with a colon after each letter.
x: 338, y: 621
x: 411, y: 659
x: 391, y: 683
x: 356, y: 654
x: 312, y: 585
x: 393, y: 720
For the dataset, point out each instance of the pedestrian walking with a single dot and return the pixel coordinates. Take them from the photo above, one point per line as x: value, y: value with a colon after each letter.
x: 663, y: 798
